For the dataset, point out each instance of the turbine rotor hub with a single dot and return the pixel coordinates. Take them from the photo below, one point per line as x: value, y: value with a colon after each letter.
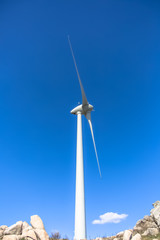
x: 83, y: 109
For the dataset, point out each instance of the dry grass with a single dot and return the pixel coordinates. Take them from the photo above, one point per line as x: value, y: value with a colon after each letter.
x: 151, y: 237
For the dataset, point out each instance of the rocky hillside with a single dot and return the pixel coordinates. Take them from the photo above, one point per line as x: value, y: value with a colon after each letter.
x: 147, y: 228
x: 24, y: 231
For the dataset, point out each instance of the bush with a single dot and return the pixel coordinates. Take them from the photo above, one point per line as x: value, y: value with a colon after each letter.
x: 55, y: 236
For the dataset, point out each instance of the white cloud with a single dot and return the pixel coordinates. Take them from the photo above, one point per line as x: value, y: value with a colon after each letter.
x: 110, y: 217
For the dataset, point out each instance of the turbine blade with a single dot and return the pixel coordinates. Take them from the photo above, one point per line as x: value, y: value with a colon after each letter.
x: 88, y: 116
x: 84, y: 99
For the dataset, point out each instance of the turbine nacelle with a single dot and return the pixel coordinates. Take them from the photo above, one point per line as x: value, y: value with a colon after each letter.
x: 83, y: 109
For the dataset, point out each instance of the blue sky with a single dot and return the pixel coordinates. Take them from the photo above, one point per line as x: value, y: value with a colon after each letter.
x: 117, y: 49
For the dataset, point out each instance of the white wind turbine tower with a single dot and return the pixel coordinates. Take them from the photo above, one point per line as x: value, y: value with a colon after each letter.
x: 84, y: 109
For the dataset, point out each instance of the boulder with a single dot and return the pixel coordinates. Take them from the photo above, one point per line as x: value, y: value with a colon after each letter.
x: 19, y: 237
x: 155, y: 212
x: 30, y: 234
x: 137, y: 237
x: 151, y: 232
x: 120, y: 234
x: 127, y: 235
x: 26, y: 229
x: 148, y: 218
x: 36, y: 222
x: 10, y: 237
x: 143, y: 224
x: 3, y: 227
x: 157, y: 203
x: 41, y: 233
x: 15, y: 229
x: 25, y: 225
x: 1, y: 232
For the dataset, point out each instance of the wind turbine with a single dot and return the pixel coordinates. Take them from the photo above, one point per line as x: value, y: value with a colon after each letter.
x: 84, y: 109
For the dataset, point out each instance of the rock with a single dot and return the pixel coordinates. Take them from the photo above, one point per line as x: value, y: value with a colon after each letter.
x: 3, y: 227
x: 42, y: 234
x: 157, y: 203
x: 151, y: 232
x: 137, y: 237
x: 25, y: 225
x: 155, y: 213
x: 127, y: 235
x: 19, y: 237
x: 36, y: 222
x: 143, y: 224
x: 148, y: 218
x: 120, y: 234
x: 14, y: 229
x: 27, y: 229
x: 1, y: 232
x: 10, y: 237
x: 29, y: 233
